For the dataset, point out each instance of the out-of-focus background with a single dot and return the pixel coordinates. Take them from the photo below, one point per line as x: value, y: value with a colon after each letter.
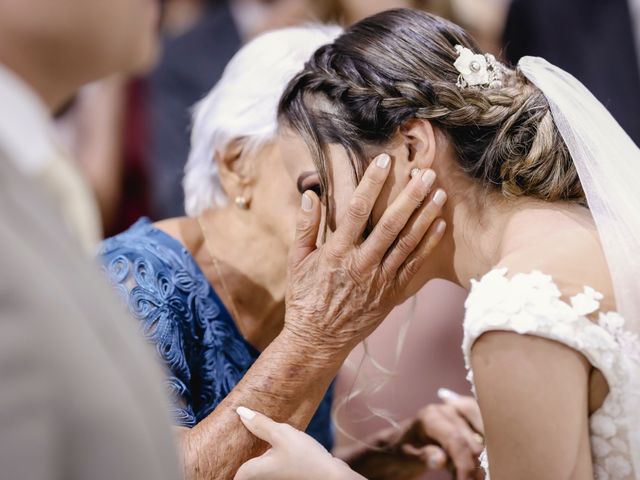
x: 131, y: 136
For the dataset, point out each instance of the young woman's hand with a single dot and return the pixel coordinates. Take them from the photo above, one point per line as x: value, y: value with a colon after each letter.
x: 293, y: 454
x: 442, y: 436
x: 447, y: 435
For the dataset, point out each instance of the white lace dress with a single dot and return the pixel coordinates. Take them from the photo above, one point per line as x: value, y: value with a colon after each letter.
x: 531, y: 304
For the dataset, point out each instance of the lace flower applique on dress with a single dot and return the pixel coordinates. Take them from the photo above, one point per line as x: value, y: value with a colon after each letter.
x: 532, y: 304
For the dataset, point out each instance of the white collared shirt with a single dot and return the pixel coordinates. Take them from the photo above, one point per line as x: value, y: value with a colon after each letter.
x: 28, y: 139
x: 26, y: 132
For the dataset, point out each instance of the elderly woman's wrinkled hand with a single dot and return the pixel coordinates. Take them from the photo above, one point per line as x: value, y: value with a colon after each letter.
x: 340, y: 292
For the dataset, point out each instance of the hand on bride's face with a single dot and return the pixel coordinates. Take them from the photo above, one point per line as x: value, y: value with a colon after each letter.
x: 412, y: 150
x: 340, y: 292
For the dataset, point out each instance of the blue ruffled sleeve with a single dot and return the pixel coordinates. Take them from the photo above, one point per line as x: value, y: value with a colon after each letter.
x: 149, y: 290
x: 182, y: 316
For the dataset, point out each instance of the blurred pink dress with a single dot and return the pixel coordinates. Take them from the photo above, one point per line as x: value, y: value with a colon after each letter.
x: 430, y: 358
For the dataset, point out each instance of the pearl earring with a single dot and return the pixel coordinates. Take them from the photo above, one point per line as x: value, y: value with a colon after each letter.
x: 242, y: 203
x: 414, y: 172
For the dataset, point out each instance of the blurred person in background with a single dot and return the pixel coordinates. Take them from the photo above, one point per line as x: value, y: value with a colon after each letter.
x: 254, y: 17
x: 598, y: 42
x: 118, y: 127
x: 200, y: 37
x: 105, y: 127
x: 209, y: 289
x: 483, y: 18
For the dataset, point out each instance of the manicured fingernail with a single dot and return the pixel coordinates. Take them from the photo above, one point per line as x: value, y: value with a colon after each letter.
x: 434, y: 462
x: 307, y: 202
x: 383, y: 160
x: 446, y: 394
x: 440, y: 197
x: 478, y: 438
x: 428, y: 177
x: 441, y: 227
x: 245, y: 413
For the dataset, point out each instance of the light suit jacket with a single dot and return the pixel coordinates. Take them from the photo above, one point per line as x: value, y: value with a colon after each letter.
x: 80, y: 394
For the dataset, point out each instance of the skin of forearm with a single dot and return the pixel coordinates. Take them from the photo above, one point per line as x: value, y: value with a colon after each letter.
x: 286, y: 383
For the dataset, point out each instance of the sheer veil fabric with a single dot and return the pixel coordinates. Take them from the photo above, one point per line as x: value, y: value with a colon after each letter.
x: 608, y: 164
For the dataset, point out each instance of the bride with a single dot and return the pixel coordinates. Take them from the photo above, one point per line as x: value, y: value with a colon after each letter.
x: 544, y: 230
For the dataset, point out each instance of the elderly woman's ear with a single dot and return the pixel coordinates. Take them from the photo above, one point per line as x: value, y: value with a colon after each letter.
x: 236, y: 171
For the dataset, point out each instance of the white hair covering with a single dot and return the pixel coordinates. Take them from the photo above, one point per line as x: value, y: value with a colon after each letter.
x: 243, y: 105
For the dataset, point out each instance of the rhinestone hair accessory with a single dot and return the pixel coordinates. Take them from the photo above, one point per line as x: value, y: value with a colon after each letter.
x: 477, y: 70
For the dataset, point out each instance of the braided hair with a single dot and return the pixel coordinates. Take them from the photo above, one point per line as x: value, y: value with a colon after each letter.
x: 397, y: 66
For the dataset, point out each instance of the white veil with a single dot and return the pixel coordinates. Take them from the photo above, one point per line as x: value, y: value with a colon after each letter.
x: 608, y: 164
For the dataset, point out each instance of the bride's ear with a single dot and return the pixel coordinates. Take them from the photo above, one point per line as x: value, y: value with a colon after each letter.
x: 420, y: 140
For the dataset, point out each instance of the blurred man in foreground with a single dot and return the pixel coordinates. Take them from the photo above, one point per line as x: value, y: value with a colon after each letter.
x: 80, y: 397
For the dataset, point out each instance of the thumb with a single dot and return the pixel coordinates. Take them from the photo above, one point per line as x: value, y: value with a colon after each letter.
x: 307, y: 227
x: 255, y: 468
x: 260, y: 425
x: 432, y: 456
x: 465, y: 406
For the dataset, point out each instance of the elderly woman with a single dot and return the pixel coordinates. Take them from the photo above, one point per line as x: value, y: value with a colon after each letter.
x: 209, y: 289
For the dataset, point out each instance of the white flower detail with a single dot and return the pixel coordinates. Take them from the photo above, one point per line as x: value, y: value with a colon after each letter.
x: 620, y: 445
x: 587, y: 302
x: 532, y: 304
x: 523, y: 322
x: 611, y: 321
x: 600, y: 473
x: 600, y: 447
x: 484, y: 461
x: 562, y: 330
x: 612, y: 407
x: 472, y: 66
x: 603, y: 426
x: 596, y: 295
x: 619, y: 467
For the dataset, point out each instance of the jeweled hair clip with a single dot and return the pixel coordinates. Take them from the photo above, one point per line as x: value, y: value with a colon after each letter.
x: 477, y: 70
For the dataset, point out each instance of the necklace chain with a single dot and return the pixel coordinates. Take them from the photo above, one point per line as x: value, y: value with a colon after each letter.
x: 216, y: 266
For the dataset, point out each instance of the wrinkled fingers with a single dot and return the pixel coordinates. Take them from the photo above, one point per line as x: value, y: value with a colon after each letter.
x: 396, y: 217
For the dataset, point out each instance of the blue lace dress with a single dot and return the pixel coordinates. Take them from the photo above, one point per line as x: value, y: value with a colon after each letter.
x: 181, y: 314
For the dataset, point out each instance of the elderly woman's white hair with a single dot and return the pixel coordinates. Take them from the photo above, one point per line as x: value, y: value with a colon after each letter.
x: 243, y: 105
